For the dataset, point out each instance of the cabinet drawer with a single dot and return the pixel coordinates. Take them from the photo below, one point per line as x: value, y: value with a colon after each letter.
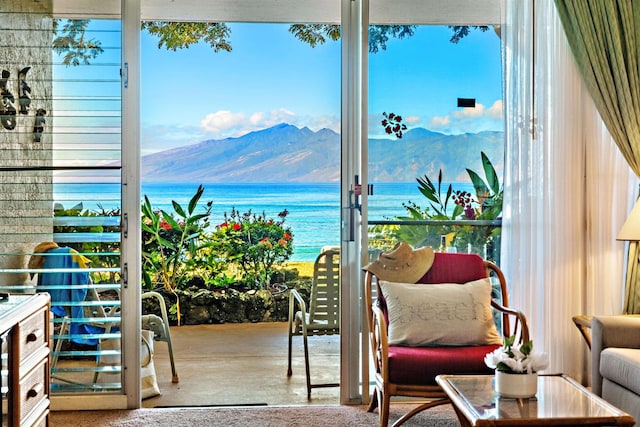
x: 32, y: 334
x: 32, y: 390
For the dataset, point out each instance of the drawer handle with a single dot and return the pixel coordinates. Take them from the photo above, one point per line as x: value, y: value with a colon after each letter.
x: 35, y: 390
x: 35, y: 335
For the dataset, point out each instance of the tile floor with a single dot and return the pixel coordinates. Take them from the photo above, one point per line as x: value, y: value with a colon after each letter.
x: 243, y: 364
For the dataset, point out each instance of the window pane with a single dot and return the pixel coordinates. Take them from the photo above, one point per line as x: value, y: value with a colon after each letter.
x: 435, y: 105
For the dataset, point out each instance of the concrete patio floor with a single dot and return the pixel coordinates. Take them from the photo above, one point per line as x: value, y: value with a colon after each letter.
x: 243, y: 364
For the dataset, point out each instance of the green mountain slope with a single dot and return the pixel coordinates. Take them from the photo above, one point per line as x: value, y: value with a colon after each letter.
x: 285, y: 153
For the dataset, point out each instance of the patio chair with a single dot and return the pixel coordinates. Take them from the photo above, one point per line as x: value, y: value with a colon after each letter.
x: 323, y: 315
x: 84, y: 317
x: 420, y: 324
x: 160, y: 328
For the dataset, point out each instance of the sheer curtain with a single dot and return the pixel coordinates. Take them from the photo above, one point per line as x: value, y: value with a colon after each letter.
x: 567, y: 189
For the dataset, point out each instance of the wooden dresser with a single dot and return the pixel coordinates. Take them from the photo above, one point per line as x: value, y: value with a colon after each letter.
x: 24, y: 337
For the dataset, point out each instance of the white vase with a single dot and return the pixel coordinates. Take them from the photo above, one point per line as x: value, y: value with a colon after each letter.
x: 516, y: 385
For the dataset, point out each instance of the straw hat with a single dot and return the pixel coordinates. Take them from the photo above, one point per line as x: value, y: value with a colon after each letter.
x: 402, y: 264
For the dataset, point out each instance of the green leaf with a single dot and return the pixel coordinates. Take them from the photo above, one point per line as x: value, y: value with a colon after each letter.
x: 148, y: 283
x: 167, y: 244
x: 427, y: 189
x: 178, y: 209
x: 490, y: 173
x: 457, y: 211
x: 526, y: 348
x: 503, y: 367
x: 196, y: 218
x: 146, y: 207
x: 508, y: 341
x: 194, y: 200
x: 446, y: 200
x: 146, y: 228
x: 478, y: 184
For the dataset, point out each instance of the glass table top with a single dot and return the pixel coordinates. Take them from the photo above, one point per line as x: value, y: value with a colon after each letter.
x: 558, y: 397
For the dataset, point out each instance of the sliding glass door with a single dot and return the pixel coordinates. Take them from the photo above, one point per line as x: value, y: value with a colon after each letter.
x: 433, y: 111
x: 64, y: 181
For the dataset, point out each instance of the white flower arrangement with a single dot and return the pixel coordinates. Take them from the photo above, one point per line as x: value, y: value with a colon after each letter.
x: 516, y: 358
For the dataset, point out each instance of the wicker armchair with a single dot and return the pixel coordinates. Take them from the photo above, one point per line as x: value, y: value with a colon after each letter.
x: 405, y: 370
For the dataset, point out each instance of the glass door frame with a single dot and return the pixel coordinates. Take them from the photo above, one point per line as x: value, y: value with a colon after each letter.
x: 396, y: 12
x: 129, y: 396
x: 131, y: 215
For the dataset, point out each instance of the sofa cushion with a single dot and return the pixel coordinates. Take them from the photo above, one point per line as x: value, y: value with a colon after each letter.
x: 407, y: 364
x: 622, y: 366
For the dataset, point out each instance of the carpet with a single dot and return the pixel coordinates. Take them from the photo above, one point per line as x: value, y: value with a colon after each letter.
x: 269, y: 416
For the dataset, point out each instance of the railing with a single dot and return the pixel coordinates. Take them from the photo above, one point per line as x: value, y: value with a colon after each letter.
x: 481, y: 237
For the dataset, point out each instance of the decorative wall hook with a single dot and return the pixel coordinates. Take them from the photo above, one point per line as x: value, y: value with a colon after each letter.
x: 7, y: 109
x: 24, y: 91
x: 38, y: 125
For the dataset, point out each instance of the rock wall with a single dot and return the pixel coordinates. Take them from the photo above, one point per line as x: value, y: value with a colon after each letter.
x: 203, y: 306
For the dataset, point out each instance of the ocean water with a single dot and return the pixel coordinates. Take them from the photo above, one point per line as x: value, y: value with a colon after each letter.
x: 314, y: 209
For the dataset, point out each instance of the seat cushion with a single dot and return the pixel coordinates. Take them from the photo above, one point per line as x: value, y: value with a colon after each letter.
x: 407, y: 364
x: 622, y: 366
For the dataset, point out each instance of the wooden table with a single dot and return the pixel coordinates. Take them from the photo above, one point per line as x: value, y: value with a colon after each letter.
x: 560, y: 401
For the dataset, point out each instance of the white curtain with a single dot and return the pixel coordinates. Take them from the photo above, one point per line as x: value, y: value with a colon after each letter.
x: 567, y: 189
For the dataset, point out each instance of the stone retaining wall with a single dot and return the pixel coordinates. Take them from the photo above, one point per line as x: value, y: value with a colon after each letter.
x: 203, y: 306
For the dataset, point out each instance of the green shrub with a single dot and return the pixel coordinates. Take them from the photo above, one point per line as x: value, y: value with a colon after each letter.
x: 255, y: 244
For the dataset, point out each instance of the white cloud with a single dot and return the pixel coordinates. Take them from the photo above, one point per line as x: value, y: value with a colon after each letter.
x: 221, y: 121
x: 412, y: 120
x: 465, y: 113
x: 439, y: 122
x: 225, y: 124
x: 495, y: 111
x: 474, y: 119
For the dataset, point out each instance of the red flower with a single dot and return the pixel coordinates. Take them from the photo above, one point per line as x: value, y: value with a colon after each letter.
x: 287, y: 236
x: 164, y: 224
x: 237, y: 226
x: 224, y: 224
x: 266, y: 242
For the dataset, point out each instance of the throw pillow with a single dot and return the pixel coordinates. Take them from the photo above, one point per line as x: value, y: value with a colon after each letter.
x: 448, y: 314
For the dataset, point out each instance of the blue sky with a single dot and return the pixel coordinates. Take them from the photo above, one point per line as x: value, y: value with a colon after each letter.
x: 270, y: 77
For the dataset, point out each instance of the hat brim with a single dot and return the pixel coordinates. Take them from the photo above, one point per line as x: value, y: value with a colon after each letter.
x: 402, y: 264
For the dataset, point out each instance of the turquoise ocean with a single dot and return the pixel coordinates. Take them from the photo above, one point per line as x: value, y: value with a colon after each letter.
x: 314, y: 209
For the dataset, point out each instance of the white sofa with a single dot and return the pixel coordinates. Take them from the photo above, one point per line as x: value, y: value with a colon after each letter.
x: 615, y: 356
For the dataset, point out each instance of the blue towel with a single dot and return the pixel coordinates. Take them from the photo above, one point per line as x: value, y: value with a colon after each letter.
x: 54, y: 282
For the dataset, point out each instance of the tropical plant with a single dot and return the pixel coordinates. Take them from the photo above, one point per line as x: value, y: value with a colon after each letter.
x: 171, y: 244
x: 445, y: 204
x: 102, y: 254
x: 255, y: 243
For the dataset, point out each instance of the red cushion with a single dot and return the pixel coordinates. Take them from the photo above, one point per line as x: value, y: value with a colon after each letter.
x: 407, y: 365
x: 455, y: 268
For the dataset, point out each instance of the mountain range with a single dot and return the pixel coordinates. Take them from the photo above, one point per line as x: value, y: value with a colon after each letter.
x: 286, y: 153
